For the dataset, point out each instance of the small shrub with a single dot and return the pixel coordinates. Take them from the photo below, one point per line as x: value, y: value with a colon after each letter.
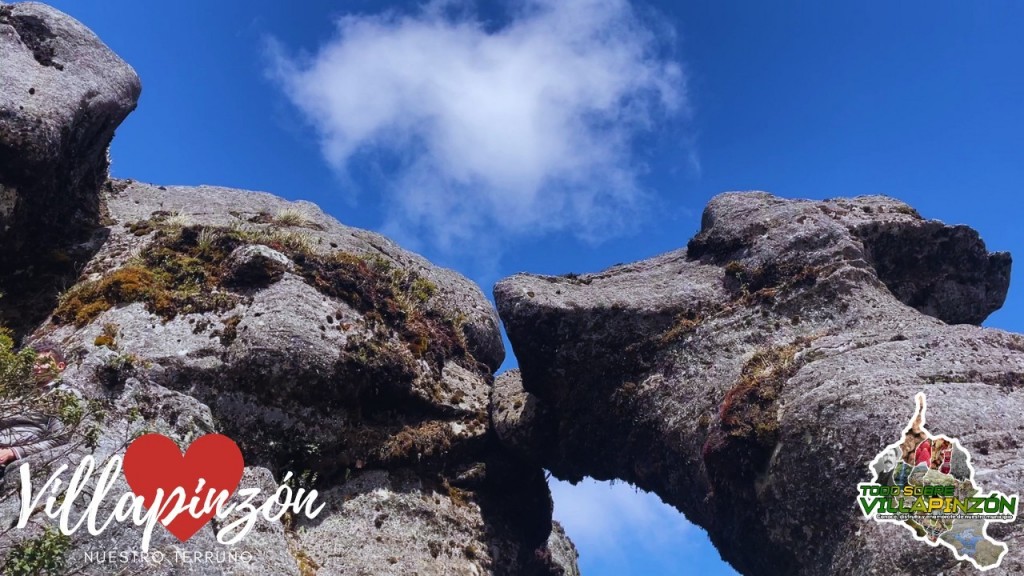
x: 749, y: 407
x: 291, y: 217
x: 422, y: 289
x: 686, y: 323
x: 734, y: 269
x: 229, y: 333
x: 177, y: 221
x: 108, y: 337
x: 116, y: 370
x: 904, y: 209
x: 206, y: 240
x: 578, y: 280
x: 69, y: 408
x: 178, y: 273
x: 15, y: 368
x: 42, y: 555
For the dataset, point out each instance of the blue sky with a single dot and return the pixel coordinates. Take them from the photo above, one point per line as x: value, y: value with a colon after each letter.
x: 497, y: 137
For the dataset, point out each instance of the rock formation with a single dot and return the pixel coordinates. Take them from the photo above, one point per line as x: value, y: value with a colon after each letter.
x: 62, y: 94
x: 749, y: 378
x: 322, y: 350
x: 746, y: 379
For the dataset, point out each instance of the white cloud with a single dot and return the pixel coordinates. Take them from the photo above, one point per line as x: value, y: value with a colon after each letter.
x: 610, y: 521
x: 516, y: 130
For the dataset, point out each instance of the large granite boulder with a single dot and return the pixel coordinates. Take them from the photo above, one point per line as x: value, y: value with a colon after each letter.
x: 750, y: 378
x: 62, y: 94
x: 324, y: 351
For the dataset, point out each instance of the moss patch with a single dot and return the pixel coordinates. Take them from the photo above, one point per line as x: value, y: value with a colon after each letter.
x: 413, y: 443
x: 177, y: 274
x: 229, y: 333
x: 748, y: 410
x: 180, y: 272
x: 108, y: 337
x: 760, y: 285
x: 391, y: 297
x: 686, y: 323
x: 305, y: 563
x: 739, y: 448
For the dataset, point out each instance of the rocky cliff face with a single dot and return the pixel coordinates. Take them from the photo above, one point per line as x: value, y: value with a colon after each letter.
x: 322, y: 350
x: 750, y: 378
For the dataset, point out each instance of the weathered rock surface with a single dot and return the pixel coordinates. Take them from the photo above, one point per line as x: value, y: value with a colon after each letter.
x: 746, y: 379
x: 62, y: 94
x: 322, y: 350
x: 750, y: 378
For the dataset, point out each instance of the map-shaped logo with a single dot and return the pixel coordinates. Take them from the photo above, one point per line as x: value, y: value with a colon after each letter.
x: 926, y: 483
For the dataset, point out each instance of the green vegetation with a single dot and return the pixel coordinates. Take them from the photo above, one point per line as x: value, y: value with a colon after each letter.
x: 141, y: 228
x: 388, y: 297
x: 760, y: 285
x: 45, y: 554
x: 307, y: 566
x: 229, y: 333
x: 576, y: 279
x: 686, y: 323
x: 749, y: 409
x: 115, y: 371
x: 413, y: 443
x: 749, y: 287
x: 908, y: 210
x: 703, y: 421
x: 108, y: 337
x: 290, y: 217
x: 19, y: 385
x: 180, y: 273
x: 20, y: 390
x: 16, y: 379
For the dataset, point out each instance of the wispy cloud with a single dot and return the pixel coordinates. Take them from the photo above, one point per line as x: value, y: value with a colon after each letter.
x: 514, y: 130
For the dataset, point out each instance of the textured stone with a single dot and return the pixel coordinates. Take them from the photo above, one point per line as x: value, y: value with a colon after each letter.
x: 62, y: 94
x: 749, y: 379
x: 307, y: 380
x: 517, y: 416
x: 563, y: 551
x: 255, y: 265
x: 334, y: 358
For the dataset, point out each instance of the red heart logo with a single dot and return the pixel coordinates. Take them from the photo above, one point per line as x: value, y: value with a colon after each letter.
x: 154, y: 462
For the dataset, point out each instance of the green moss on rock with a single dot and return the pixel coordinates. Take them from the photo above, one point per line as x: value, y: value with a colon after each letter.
x: 177, y: 274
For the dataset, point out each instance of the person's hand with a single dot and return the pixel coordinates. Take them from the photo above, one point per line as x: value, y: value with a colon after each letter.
x: 6, y: 455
